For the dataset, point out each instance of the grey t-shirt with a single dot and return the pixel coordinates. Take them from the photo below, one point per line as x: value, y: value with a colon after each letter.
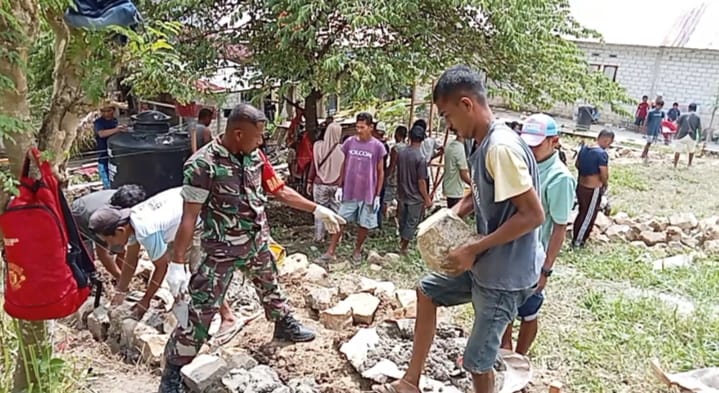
x: 411, y: 167
x: 689, y: 124
x: 83, y: 207
x: 515, y: 265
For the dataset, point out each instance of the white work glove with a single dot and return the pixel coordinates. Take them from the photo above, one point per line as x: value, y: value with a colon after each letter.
x: 338, y: 195
x: 376, y: 205
x: 331, y: 220
x: 177, y: 278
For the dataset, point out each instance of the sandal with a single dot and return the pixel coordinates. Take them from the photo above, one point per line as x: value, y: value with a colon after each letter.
x: 357, y: 259
x: 225, y: 336
x: 325, y: 260
x: 389, y: 388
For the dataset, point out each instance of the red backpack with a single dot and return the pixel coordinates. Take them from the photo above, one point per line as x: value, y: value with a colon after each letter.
x: 49, y: 273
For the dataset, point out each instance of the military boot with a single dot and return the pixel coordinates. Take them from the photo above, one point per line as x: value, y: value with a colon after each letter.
x: 171, y: 381
x: 290, y: 329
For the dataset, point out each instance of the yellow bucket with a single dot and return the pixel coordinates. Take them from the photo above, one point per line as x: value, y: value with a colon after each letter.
x: 278, y: 251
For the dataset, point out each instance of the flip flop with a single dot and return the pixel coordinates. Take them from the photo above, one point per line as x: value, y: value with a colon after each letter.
x: 225, y: 336
x: 389, y: 388
x: 325, y: 260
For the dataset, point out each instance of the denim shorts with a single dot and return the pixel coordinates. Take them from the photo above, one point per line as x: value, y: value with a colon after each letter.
x: 494, y: 309
x: 360, y: 213
x: 530, y: 309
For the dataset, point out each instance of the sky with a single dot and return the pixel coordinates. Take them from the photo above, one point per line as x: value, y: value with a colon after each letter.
x: 645, y: 22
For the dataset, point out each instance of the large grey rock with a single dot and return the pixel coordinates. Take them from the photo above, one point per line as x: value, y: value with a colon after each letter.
x: 437, y: 235
x: 238, y: 358
x: 407, y: 299
x: 674, y: 262
x: 657, y: 224
x: 674, y: 233
x: 152, y: 347
x: 602, y: 222
x: 685, y: 221
x: 358, y: 348
x: 98, y: 322
x: 204, y: 371
x: 622, y: 218
x: 321, y: 298
x: 316, y: 274
x: 260, y: 379
x: 652, y: 238
x: 618, y: 232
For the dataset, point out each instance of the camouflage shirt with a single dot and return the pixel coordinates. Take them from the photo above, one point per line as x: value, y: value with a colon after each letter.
x: 233, y: 191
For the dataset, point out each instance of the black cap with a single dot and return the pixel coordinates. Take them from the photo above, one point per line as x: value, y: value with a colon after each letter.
x: 417, y: 134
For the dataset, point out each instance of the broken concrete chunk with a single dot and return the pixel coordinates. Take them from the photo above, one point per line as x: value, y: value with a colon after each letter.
x: 392, y: 258
x: 203, y: 372
x: 622, y: 218
x: 437, y: 235
x: 165, y: 296
x: 238, y: 358
x: 338, y: 317
x: 169, y: 323
x: 152, y: 347
x: 685, y: 221
x: 674, y: 233
x: 602, y: 222
x: 383, y: 371
x: 295, y: 264
x: 373, y: 258
x: 140, y: 330
x: 357, y: 349
x: 617, y: 233
x: 652, y: 238
x: 316, y: 274
x: 98, y: 323
x: 711, y: 247
x: 375, y: 268
x: 363, y: 306
x: 674, y: 262
x: 127, y: 335
x: 657, y: 224
x: 321, y: 298
x: 408, y: 301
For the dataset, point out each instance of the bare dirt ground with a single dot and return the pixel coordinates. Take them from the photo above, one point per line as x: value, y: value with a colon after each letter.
x: 596, y: 335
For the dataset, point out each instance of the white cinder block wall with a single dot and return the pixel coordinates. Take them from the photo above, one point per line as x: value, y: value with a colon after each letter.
x: 678, y: 74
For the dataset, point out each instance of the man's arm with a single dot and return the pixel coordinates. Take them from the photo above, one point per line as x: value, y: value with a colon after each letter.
x: 604, y: 175
x: 293, y: 199
x: 464, y: 175
x: 559, y: 232
x: 422, y: 182
x: 380, y: 177
x: 392, y: 160
x: 108, y: 261
x: 110, y: 132
x: 465, y: 206
x: 185, y: 231
x: 128, y: 267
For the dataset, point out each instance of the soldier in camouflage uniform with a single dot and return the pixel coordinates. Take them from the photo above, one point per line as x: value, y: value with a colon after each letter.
x: 226, y: 183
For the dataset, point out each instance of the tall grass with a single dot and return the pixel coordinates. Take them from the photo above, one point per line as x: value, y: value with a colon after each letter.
x: 38, y: 371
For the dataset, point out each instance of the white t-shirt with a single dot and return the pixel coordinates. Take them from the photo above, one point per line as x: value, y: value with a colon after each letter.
x: 156, y: 220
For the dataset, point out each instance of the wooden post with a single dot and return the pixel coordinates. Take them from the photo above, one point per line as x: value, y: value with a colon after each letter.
x: 411, y: 106
x: 555, y: 387
x: 431, y: 113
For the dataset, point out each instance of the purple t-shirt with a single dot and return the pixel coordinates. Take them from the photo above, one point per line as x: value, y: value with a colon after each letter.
x: 360, y: 177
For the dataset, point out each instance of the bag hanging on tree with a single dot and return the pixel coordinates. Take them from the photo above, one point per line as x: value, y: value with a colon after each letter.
x: 49, y: 273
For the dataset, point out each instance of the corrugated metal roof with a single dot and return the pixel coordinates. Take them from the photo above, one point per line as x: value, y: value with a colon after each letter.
x: 687, y: 23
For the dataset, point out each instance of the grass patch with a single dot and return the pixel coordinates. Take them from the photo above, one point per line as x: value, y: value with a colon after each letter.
x: 610, y: 349
x: 56, y: 375
x: 626, y: 178
x: 621, y: 262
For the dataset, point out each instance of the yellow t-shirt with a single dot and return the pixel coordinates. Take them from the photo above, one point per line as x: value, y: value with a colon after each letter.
x: 509, y: 172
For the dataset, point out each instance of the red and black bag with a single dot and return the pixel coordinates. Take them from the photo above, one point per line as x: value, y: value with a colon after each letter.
x: 49, y: 273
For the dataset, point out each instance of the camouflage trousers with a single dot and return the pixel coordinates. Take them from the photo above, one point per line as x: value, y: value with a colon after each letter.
x: 207, y: 288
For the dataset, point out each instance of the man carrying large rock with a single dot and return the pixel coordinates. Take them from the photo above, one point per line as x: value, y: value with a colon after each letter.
x: 497, y: 272
x: 226, y: 183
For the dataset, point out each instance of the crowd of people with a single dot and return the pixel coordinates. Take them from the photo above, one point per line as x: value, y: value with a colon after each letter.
x: 685, y: 129
x: 514, y: 181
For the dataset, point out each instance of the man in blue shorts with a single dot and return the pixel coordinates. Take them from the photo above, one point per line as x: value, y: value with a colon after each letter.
x: 498, y: 271
x: 541, y: 134
x: 653, y: 126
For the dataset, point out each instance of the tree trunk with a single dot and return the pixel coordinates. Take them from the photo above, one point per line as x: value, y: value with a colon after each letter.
x: 56, y: 135
x: 311, y: 103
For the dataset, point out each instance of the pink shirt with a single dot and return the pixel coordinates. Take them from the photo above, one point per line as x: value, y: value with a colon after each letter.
x: 360, y: 170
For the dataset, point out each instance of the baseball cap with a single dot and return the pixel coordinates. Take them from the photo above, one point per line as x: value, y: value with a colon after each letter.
x: 380, y: 127
x: 417, y: 134
x: 105, y: 220
x: 538, y: 127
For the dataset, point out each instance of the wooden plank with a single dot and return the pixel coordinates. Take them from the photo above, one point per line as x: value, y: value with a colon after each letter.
x: 555, y: 387
x: 411, y: 106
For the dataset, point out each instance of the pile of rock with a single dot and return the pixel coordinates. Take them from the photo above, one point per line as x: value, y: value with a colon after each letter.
x: 381, y: 354
x: 679, y: 231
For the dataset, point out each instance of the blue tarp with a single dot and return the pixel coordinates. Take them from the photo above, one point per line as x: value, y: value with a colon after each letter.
x: 99, y: 14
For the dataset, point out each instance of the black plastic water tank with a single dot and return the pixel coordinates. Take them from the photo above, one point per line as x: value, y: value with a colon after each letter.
x: 153, y: 160
x: 584, y: 117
